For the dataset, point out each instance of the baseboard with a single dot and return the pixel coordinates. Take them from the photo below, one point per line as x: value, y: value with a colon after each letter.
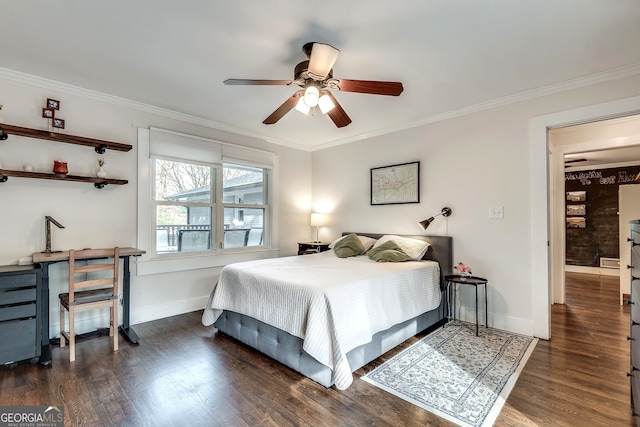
x: 89, y: 321
x: 592, y: 270
x: 174, y: 308
x: 511, y: 324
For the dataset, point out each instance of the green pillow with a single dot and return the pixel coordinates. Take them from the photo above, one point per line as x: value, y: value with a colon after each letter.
x: 349, y: 246
x: 388, y: 252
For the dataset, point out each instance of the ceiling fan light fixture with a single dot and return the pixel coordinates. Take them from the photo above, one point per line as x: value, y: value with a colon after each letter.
x: 325, y: 103
x: 302, y: 106
x: 311, y: 96
x: 321, y: 58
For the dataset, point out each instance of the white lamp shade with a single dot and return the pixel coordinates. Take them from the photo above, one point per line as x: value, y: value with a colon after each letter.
x: 317, y: 219
x: 311, y: 95
x: 322, y: 58
x: 302, y: 107
x: 325, y: 103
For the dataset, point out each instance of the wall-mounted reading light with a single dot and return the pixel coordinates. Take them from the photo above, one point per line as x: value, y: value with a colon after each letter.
x: 425, y: 223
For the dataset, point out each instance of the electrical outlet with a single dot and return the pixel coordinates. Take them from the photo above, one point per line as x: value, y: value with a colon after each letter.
x: 496, y: 212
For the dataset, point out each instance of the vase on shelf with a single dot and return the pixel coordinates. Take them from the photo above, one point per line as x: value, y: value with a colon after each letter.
x: 60, y: 168
x: 101, y: 173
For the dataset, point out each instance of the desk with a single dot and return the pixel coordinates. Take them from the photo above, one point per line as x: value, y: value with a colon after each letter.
x: 45, y: 259
x: 465, y: 280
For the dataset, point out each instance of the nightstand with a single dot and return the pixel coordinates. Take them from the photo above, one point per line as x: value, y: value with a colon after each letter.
x: 307, y: 248
x: 453, y: 283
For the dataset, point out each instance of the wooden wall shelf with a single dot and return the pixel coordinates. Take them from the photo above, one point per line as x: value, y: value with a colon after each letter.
x: 98, y: 144
x: 97, y: 182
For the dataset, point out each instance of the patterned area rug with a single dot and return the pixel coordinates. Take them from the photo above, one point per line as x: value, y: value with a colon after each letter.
x: 456, y: 375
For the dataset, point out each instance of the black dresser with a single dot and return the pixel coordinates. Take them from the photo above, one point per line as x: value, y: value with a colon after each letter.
x: 634, y: 301
x: 20, y: 313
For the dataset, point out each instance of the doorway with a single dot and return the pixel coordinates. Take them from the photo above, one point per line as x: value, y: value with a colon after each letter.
x: 545, y: 169
x: 605, y: 144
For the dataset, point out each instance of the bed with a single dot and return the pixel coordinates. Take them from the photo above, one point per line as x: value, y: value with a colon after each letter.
x: 325, y: 316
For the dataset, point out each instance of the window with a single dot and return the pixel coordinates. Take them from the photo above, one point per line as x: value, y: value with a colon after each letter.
x: 184, y: 205
x: 203, y: 197
x: 243, y: 197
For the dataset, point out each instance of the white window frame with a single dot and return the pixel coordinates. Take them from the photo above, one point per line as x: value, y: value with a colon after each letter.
x: 214, y: 191
x: 150, y: 263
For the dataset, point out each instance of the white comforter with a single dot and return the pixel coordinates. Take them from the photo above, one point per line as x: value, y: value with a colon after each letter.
x: 333, y: 304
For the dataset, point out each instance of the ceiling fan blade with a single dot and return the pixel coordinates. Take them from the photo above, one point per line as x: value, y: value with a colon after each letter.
x: 371, y: 86
x: 337, y: 113
x: 282, y: 110
x: 257, y: 82
x: 321, y: 60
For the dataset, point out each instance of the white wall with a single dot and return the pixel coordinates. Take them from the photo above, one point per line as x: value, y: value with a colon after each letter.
x: 470, y: 163
x: 107, y: 217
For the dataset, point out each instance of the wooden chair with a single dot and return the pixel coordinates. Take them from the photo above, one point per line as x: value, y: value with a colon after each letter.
x: 90, y: 294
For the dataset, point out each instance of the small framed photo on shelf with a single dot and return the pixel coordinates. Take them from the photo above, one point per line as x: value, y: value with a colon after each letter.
x: 576, y: 196
x: 578, y: 210
x: 577, y: 222
x: 58, y: 123
x: 47, y: 113
x: 53, y: 104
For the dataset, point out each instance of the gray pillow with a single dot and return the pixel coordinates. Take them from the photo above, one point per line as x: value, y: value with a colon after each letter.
x: 349, y: 246
x: 388, y: 252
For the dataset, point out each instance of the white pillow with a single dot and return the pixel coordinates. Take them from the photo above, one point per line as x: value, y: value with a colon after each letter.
x: 367, y: 242
x: 413, y: 247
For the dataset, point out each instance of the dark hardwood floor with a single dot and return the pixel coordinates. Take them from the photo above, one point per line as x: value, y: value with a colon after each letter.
x: 185, y: 374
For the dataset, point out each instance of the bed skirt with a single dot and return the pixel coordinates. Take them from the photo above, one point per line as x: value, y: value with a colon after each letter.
x: 287, y: 349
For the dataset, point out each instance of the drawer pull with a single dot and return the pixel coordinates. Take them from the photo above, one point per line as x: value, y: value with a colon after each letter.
x: 630, y: 339
x: 633, y: 369
x: 629, y: 302
x: 629, y: 266
x: 634, y: 323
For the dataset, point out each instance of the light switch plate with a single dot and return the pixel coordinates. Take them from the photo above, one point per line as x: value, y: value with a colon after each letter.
x: 496, y: 212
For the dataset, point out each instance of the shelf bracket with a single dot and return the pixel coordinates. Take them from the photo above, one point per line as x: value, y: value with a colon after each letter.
x: 100, y: 185
x: 101, y: 149
x: 3, y: 135
x: 3, y: 178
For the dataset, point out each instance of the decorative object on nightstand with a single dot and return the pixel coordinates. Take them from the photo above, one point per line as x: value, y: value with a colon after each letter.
x: 307, y: 248
x: 462, y: 270
x: 452, y: 283
x: 317, y: 220
x: 425, y: 223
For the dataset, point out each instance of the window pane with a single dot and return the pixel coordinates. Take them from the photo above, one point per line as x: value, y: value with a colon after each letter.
x: 243, y: 227
x: 178, y: 181
x: 243, y: 185
x: 183, y: 228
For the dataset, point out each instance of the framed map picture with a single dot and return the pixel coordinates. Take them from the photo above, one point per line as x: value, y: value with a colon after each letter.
x: 395, y: 184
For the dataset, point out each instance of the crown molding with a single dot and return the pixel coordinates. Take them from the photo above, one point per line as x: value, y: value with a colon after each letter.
x: 592, y: 79
x: 48, y: 84
x: 615, y: 74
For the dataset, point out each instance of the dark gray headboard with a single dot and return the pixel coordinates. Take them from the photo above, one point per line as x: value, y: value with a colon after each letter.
x: 440, y: 249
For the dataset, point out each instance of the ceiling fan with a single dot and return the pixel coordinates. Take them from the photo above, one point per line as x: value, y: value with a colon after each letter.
x: 315, y: 77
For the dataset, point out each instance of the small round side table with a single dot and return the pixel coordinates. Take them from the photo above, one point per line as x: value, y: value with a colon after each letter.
x: 453, y: 282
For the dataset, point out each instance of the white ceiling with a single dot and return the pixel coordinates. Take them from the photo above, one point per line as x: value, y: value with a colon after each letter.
x: 452, y: 56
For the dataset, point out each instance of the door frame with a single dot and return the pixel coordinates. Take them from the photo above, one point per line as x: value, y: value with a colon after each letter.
x: 543, y: 249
